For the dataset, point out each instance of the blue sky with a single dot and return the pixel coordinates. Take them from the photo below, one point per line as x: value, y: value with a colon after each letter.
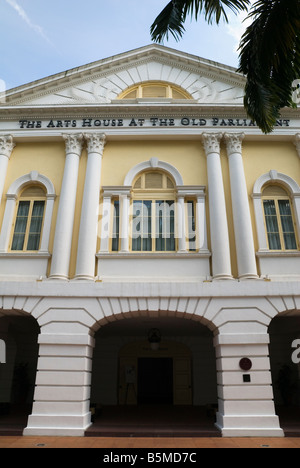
x: 39, y: 38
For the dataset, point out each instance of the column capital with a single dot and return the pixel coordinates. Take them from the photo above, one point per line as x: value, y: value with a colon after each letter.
x: 211, y: 142
x: 95, y: 142
x: 73, y: 143
x: 234, y: 142
x: 6, y: 145
x: 297, y: 143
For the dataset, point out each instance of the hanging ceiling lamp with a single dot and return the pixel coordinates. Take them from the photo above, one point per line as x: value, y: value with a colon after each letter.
x: 154, y: 338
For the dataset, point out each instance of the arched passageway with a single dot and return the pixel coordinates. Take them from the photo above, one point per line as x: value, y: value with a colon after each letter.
x: 284, y: 332
x: 167, y: 387
x: 19, y: 333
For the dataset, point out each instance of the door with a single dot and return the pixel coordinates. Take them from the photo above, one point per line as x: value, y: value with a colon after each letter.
x: 155, y: 381
x: 182, y: 381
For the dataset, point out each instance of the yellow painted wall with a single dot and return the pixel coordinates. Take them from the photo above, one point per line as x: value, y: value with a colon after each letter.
x: 48, y: 158
x: 262, y: 156
x: 187, y: 156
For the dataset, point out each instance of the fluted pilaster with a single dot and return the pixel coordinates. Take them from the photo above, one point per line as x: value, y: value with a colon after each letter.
x: 244, y: 242
x: 221, y: 264
x: 66, y: 209
x: 87, y: 241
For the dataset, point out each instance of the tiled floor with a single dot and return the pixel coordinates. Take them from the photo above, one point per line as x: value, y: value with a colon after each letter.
x: 129, y: 427
x: 146, y: 443
x: 154, y: 421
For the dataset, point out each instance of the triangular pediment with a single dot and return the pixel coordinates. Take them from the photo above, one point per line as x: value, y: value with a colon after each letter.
x: 103, y: 81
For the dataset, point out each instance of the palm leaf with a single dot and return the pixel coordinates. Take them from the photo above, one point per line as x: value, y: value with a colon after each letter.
x: 172, y: 18
x: 270, y: 58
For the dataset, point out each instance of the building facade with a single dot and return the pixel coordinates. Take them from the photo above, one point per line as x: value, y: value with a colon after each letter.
x: 148, y: 227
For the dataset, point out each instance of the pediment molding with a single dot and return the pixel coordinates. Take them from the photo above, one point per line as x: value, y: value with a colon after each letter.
x: 102, y: 81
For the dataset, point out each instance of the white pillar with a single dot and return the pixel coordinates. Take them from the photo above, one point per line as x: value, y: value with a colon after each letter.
x: 106, y: 223
x: 66, y: 209
x: 124, y: 229
x: 245, y: 397
x: 221, y: 264
x: 62, y: 389
x: 201, y: 228
x: 181, y: 224
x: 6, y: 147
x: 47, y: 223
x: 87, y: 241
x: 297, y: 143
x: 240, y: 205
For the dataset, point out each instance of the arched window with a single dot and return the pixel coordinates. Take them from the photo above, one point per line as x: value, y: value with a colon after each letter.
x: 153, y: 213
x: 29, y: 199
x: 149, y: 90
x: 28, y: 224
x: 279, y: 218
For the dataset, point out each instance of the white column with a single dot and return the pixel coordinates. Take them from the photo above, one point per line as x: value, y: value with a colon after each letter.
x: 240, y: 205
x: 66, y: 209
x: 87, y: 241
x: 297, y: 143
x: 201, y: 228
x: 62, y: 388
x: 245, y: 405
x: 11, y: 200
x: 47, y: 223
x: 106, y: 222
x: 181, y: 224
x: 6, y: 147
x: 221, y: 264
x: 124, y: 229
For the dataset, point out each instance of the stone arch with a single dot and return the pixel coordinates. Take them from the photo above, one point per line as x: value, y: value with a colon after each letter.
x: 284, y: 335
x: 274, y: 176
x: 187, y: 341
x: 153, y: 163
x: 19, y: 331
x: 32, y: 177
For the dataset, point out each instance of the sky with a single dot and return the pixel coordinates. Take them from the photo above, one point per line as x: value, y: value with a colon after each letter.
x: 39, y: 38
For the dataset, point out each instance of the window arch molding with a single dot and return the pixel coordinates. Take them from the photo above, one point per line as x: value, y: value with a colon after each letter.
x: 153, y: 163
x: 12, y: 196
x: 293, y: 189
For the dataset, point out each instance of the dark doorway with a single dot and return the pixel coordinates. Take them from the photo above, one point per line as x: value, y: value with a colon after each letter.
x: 155, y: 381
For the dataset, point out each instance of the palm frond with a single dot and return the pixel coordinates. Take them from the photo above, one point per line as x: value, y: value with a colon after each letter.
x: 270, y: 59
x: 172, y: 18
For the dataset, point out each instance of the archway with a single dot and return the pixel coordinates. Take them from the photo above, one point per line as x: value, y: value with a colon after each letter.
x: 284, y: 330
x: 141, y: 389
x: 19, y: 333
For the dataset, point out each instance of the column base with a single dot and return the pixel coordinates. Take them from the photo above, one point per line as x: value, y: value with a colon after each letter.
x: 58, y: 277
x: 84, y: 278
x: 63, y: 426
x: 248, y: 277
x: 236, y: 432
x: 222, y: 277
x: 249, y: 426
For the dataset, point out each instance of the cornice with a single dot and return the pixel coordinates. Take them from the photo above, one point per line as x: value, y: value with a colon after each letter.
x: 122, y: 109
x: 107, y: 67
